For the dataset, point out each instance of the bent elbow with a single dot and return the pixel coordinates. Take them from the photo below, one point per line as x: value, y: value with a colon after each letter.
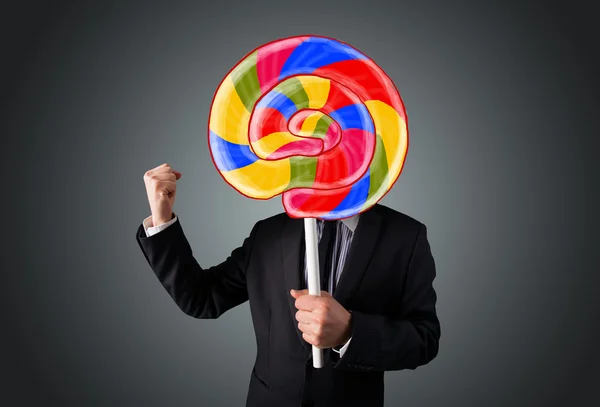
x: 429, y: 348
x: 426, y: 351
x: 197, y: 314
x: 200, y: 312
x: 198, y: 307
x: 431, y: 351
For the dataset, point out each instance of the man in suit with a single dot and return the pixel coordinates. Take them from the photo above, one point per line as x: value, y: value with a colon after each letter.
x: 378, y: 266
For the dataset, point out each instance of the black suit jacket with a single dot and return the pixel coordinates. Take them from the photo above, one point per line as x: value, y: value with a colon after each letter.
x: 386, y: 283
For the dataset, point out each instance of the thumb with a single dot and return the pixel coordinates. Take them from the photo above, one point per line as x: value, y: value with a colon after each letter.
x: 298, y: 293
x: 325, y: 294
x: 177, y: 174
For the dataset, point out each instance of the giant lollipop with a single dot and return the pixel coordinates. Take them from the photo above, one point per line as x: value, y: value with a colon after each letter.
x: 315, y: 120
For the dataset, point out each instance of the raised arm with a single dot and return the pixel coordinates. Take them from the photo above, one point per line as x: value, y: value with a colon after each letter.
x: 199, y: 293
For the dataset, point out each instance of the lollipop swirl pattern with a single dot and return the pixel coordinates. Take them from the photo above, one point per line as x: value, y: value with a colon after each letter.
x: 312, y: 119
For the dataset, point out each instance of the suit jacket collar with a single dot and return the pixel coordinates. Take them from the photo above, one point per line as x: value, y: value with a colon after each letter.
x: 361, y: 250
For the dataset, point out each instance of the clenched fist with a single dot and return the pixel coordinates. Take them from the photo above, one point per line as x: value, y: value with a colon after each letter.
x: 324, y: 322
x: 161, y: 188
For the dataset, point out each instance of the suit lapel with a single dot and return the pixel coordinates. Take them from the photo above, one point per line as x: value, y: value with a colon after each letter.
x: 291, y: 245
x: 362, y: 248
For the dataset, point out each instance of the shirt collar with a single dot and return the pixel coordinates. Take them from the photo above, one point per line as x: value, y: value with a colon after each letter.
x: 351, y: 223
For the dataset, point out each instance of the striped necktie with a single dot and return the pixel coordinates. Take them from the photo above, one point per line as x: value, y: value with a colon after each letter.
x: 326, y: 252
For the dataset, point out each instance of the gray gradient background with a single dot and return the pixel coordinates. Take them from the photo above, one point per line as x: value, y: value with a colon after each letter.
x: 502, y: 102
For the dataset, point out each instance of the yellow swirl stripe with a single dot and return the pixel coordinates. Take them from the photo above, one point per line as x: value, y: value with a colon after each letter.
x: 317, y: 90
x: 229, y: 117
x: 262, y: 179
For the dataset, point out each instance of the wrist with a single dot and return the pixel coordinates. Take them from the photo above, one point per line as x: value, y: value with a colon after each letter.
x: 157, y: 221
x: 348, y: 331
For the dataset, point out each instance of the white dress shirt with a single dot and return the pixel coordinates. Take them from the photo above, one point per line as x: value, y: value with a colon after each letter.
x: 351, y: 223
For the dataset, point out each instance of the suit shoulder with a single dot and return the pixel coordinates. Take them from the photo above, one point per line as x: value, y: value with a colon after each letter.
x: 274, y: 220
x: 390, y: 216
x: 398, y: 218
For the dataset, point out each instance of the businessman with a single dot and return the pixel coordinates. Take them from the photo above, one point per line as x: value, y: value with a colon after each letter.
x: 376, y: 312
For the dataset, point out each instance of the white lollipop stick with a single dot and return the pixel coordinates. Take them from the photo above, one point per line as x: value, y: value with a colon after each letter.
x: 314, y: 279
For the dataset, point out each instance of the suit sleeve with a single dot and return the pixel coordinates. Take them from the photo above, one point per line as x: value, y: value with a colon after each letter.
x: 409, y: 340
x: 200, y: 293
